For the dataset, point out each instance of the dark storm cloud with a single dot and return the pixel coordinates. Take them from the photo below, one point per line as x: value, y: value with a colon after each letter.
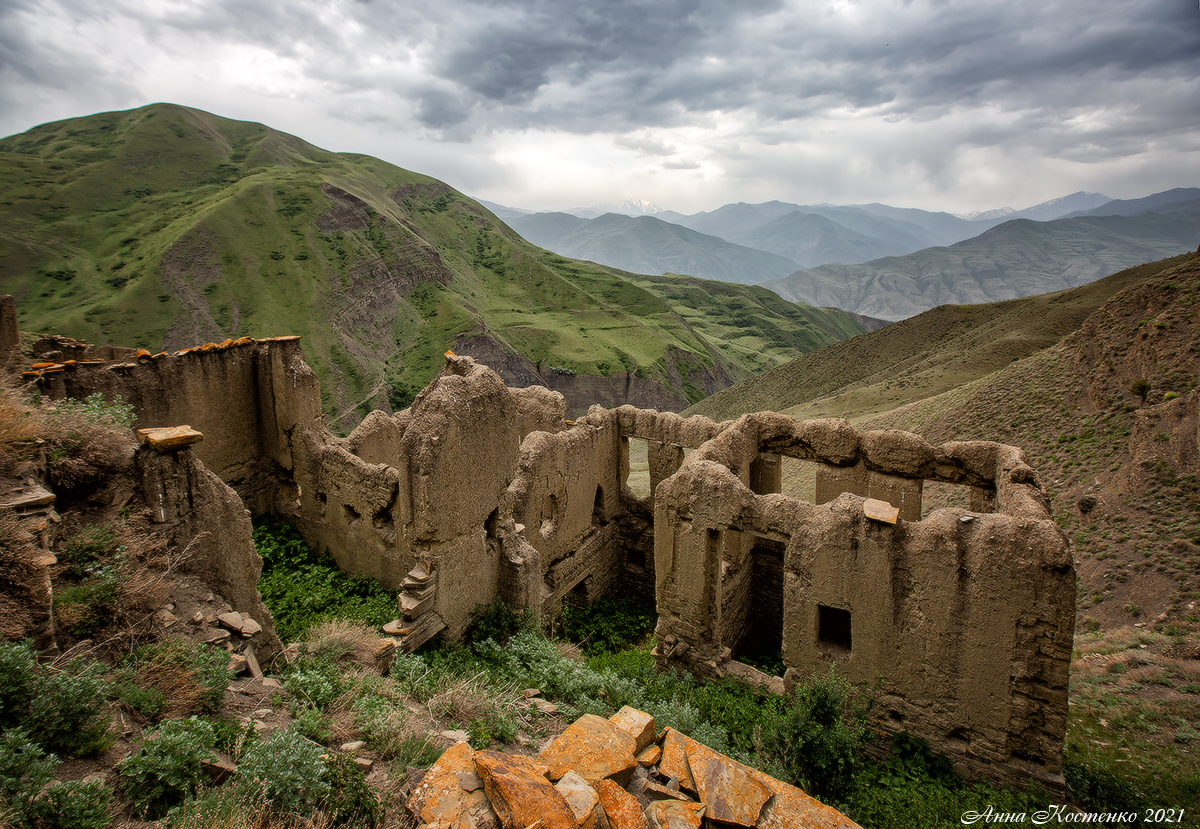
x: 916, y: 85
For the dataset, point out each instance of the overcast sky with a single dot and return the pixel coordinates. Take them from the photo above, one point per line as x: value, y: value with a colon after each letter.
x: 944, y: 104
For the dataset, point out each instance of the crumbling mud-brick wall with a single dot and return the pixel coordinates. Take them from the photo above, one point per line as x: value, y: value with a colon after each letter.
x: 963, y: 620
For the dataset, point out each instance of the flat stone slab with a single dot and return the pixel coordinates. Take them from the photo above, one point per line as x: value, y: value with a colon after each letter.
x: 621, y: 808
x: 520, y: 794
x: 878, y: 510
x: 164, y: 438
x: 593, y: 748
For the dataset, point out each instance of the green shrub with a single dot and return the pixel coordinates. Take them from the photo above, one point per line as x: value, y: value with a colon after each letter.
x: 95, y: 409
x: 287, y: 771
x: 167, y: 767
x: 83, y: 552
x: 61, y: 709
x: 351, y: 802
x: 312, y: 687
x: 74, y: 804
x: 67, y: 710
x: 24, y: 770
x: 819, y: 738
x: 86, y: 608
x: 312, y: 724
x: 18, y: 675
x: 496, y: 621
x: 608, y: 625
x: 302, y: 587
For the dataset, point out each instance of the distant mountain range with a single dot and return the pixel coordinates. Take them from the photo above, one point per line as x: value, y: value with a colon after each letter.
x: 878, y: 260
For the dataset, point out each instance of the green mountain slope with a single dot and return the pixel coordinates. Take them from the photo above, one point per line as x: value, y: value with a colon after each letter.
x: 1017, y: 258
x: 166, y: 226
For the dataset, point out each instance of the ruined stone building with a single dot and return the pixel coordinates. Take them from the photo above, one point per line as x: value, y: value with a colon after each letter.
x: 962, y: 619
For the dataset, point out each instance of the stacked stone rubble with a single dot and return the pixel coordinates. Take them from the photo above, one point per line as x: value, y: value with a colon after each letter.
x: 617, y: 773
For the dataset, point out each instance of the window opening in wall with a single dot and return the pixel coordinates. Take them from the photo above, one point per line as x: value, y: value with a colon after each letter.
x: 639, y: 467
x: 598, y: 506
x: 577, y: 596
x: 833, y: 627
x: 635, y: 557
x: 798, y: 479
x: 937, y: 495
x: 352, y: 515
x: 549, y: 517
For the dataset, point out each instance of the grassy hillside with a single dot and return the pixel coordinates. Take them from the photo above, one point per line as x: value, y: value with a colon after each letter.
x: 166, y: 226
x: 1017, y: 258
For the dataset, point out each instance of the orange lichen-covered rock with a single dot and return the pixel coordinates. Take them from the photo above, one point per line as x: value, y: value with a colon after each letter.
x: 582, y: 798
x: 620, y: 807
x: 674, y: 762
x: 650, y: 756
x: 520, y: 794
x: 451, y: 794
x: 791, y: 808
x: 637, y: 724
x: 674, y: 814
x: 727, y: 789
x: 593, y: 748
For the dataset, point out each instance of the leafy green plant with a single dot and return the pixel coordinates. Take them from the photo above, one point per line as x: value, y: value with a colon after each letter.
x: 96, y: 409
x: 302, y: 587
x: 497, y: 621
x: 74, y: 804
x: 288, y: 772
x: 167, y: 767
x: 608, y: 624
x: 24, y: 770
x: 351, y: 802
x: 820, y: 736
x: 67, y: 713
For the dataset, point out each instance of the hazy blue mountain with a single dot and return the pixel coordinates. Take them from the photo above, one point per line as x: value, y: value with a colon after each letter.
x: 645, y: 244
x: 1014, y: 259
x: 544, y: 229
x: 1132, y: 207
x: 815, y: 240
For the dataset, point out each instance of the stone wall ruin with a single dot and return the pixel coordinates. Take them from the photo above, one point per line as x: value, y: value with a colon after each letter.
x: 963, y: 620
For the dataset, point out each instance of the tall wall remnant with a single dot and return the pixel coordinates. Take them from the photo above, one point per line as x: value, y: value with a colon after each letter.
x: 962, y: 619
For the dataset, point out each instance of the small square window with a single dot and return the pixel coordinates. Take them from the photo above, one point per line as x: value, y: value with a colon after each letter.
x: 833, y: 626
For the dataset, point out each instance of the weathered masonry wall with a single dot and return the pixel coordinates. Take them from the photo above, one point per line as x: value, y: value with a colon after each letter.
x: 963, y: 619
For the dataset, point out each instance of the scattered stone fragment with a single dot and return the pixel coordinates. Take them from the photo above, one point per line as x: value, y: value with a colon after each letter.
x: 231, y: 620
x: 458, y: 735
x: 520, y: 794
x: 620, y: 806
x: 395, y: 628
x: 593, y: 748
x: 166, y: 618
x: 637, y: 724
x: 353, y: 746
x: 364, y: 763
x: 237, y: 664
x: 440, y: 798
x: 674, y: 759
x: 217, y: 636
x: 269, y: 682
x: 657, y: 791
x: 581, y: 797
x: 672, y: 814
x: 252, y: 662
x: 882, y: 511
x: 219, y: 769
x: 197, y: 618
x: 250, y: 627
x: 650, y: 756
x: 545, y: 706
